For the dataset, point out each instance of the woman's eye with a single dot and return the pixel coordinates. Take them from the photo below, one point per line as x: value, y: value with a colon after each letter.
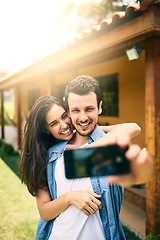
x: 53, y: 124
x: 65, y: 116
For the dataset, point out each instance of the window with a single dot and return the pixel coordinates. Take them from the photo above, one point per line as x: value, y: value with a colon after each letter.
x: 33, y: 95
x: 109, y: 91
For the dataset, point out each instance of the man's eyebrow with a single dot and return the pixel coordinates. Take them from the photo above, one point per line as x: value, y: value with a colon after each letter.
x: 52, y: 122
x: 90, y: 106
x: 73, y: 108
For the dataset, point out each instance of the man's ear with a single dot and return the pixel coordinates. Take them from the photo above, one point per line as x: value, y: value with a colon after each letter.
x: 100, y: 108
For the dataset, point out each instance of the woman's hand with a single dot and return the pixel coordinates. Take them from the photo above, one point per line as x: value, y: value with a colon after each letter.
x: 86, y: 201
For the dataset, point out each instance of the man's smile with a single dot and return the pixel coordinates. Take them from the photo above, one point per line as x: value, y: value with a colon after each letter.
x: 84, y: 125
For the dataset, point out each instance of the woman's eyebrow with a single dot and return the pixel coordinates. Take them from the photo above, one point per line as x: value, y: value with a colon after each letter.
x: 52, y: 122
x: 65, y: 113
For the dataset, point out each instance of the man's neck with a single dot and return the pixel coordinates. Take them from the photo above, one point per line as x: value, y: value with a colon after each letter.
x: 77, y: 141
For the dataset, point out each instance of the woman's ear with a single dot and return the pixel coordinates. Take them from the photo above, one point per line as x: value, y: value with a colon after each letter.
x: 100, y: 108
x: 46, y: 131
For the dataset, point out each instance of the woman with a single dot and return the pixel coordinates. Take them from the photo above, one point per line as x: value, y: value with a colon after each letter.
x: 49, y: 123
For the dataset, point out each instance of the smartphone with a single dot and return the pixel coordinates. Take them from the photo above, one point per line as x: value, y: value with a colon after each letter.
x: 97, y: 161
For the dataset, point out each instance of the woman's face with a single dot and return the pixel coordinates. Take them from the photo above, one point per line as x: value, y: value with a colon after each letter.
x: 58, y: 123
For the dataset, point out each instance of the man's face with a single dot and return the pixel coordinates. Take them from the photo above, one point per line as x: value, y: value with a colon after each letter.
x: 84, y: 112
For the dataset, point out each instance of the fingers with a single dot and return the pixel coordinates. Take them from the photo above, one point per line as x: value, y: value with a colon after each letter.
x: 141, y: 168
x: 92, y: 205
x: 123, y: 180
x: 133, y: 152
x: 91, y: 208
x: 123, y: 140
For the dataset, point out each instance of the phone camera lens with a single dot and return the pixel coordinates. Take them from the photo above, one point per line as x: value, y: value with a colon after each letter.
x: 118, y: 159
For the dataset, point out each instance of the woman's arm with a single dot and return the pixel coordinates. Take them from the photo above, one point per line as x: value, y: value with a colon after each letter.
x: 85, y: 200
x: 114, y: 132
x: 132, y: 128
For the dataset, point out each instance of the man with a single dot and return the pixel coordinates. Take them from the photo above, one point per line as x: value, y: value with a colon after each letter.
x: 94, y: 214
x: 83, y: 100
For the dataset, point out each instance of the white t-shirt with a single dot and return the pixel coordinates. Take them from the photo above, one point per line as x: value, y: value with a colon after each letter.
x: 72, y: 224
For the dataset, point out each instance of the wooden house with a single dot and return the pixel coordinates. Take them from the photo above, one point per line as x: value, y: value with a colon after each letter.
x: 130, y: 89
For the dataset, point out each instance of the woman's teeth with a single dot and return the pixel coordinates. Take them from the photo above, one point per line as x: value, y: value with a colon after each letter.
x: 66, y: 132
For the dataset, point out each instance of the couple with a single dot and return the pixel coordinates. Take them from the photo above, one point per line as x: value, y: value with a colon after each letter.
x: 80, y: 208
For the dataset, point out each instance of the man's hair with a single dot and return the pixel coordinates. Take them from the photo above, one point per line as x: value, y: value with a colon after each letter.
x: 83, y: 85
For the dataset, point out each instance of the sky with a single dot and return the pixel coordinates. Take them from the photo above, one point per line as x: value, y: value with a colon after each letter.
x: 29, y: 31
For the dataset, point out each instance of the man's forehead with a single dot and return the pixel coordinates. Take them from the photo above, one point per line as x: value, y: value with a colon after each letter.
x: 91, y: 96
x: 76, y: 100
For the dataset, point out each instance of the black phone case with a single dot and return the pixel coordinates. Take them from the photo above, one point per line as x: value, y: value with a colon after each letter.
x: 97, y: 161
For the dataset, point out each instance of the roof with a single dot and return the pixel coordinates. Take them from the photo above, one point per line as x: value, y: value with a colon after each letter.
x: 97, y: 42
x: 118, y: 18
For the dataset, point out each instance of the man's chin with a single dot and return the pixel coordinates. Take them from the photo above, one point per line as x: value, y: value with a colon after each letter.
x: 85, y: 133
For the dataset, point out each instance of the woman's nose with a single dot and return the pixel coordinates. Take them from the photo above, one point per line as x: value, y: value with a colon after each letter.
x: 63, y: 124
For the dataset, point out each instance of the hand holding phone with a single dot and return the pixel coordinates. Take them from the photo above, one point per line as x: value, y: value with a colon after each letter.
x: 97, y: 161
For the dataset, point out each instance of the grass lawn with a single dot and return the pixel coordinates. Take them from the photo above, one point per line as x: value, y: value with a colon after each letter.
x: 18, y: 210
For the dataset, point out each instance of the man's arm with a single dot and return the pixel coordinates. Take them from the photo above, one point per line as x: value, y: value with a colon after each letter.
x: 140, y: 162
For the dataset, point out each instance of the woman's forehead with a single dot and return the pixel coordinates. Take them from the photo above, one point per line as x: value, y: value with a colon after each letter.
x: 55, y: 112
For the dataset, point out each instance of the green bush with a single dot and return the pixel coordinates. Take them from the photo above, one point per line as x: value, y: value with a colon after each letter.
x: 151, y: 237
x: 8, y: 148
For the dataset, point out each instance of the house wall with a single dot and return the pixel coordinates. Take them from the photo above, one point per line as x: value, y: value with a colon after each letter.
x: 131, y: 90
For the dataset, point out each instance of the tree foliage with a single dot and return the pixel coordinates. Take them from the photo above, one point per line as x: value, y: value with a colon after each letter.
x: 92, y: 12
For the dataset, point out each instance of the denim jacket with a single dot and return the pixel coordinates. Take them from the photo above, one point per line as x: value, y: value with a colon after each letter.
x: 112, y: 196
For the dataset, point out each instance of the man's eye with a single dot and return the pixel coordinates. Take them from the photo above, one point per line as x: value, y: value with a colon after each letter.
x: 75, y: 110
x: 89, y: 109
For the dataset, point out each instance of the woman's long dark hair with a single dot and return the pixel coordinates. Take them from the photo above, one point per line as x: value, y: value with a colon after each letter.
x: 35, y: 144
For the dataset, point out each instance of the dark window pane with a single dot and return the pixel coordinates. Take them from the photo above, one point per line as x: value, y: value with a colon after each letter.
x: 109, y: 91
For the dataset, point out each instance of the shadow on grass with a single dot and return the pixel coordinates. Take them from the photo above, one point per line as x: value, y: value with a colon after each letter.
x: 12, y: 161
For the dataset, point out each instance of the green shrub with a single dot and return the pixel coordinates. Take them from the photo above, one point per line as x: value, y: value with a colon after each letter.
x: 151, y: 237
x: 7, y: 148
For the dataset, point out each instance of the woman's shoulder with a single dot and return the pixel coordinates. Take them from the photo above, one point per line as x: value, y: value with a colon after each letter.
x: 59, y: 147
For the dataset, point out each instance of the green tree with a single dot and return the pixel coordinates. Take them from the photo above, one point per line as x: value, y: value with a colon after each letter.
x: 90, y: 13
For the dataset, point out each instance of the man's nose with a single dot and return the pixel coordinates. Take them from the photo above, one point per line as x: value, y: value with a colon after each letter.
x: 83, y: 117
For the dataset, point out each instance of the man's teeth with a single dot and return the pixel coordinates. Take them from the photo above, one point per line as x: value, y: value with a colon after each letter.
x: 84, y: 124
x: 66, y: 132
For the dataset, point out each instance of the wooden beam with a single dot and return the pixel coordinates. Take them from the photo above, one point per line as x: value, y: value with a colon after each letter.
x: 2, y: 114
x: 152, y: 122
